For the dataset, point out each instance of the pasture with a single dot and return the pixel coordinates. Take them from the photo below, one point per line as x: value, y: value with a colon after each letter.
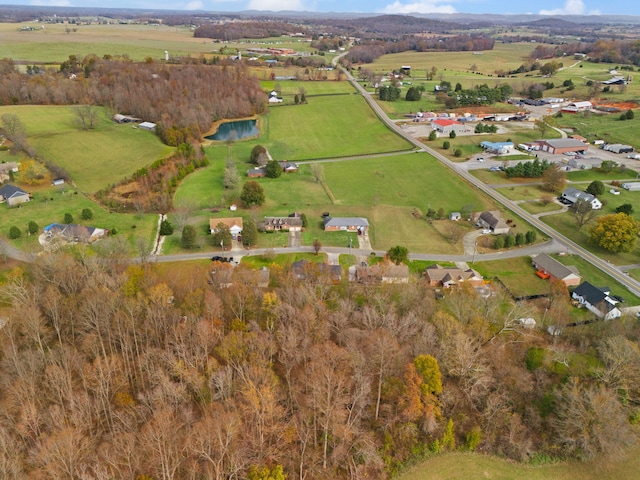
x: 94, y: 158
x: 458, y: 66
x: 327, y: 127
x: 50, y: 43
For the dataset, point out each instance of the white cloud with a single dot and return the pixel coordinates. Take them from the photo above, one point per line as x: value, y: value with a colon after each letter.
x: 51, y: 3
x: 195, y: 5
x: 571, y: 7
x: 275, y: 5
x: 423, y: 6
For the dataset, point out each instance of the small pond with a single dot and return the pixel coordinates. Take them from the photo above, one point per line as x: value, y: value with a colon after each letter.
x: 235, y: 130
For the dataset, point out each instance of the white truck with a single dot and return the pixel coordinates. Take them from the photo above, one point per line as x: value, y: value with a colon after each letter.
x: 634, y: 156
x: 631, y: 186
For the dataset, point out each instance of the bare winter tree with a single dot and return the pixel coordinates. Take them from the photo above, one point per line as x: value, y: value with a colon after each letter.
x: 86, y: 116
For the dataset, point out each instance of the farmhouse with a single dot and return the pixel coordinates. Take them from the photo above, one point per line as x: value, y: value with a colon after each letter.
x: 572, y: 195
x: 596, y: 300
x: 234, y: 224
x: 292, y: 223
x: 349, y: 224
x: 383, y: 273
x: 13, y: 195
x: 499, y: 148
x: 562, y: 145
x: 439, y: 276
x: 548, y: 267
x: 493, y: 221
x: 576, y: 107
x: 303, y: 269
x: 74, y: 233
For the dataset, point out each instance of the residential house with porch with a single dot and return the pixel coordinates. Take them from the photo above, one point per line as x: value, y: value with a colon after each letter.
x: 597, y: 301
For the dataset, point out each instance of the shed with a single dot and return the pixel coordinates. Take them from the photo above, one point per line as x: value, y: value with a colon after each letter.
x: 562, y: 145
x: 455, y: 216
x: 151, y: 127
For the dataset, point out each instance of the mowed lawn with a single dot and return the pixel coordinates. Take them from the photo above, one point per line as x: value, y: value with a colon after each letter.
x: 50, y: 204
x: 464, y: 466
x: 327, y: 127
x: 94, y: 158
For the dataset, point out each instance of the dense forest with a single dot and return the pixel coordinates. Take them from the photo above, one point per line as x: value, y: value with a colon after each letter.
x: 183, y: 97
x: 117, y: 370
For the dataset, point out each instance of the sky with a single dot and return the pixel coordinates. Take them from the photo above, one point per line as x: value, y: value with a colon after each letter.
x: 543, y: 7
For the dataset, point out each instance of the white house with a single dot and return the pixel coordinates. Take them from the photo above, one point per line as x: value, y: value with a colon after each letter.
x: 572, y: 195
x: 576, y: 107
x: 596, y: 300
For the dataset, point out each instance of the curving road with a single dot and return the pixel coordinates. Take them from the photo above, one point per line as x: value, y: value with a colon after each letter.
x: 564, y: 242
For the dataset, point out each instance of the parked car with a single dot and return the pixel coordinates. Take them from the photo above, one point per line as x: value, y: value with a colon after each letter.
x: 486, y: 231
x: 480, y: 159
x: 613, y: 191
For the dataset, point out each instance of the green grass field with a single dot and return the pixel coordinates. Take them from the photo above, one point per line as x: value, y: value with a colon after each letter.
x: 327, y: 127
x: 606, y: 127
x: 94, y: 158
x: 53, y: 44
x: 516, y: 274
x: 457, y: 67
x: 464, y: 466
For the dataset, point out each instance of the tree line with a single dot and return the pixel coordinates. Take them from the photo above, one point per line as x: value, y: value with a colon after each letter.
x: 119, y: 370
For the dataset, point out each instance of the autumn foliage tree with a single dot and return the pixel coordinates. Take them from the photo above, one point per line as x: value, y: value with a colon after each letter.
x: 616, y: 232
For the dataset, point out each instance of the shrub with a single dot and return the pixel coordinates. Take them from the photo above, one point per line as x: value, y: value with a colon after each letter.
x: 473, y: 438
x: 520, y: 239
x: 499, y: 242
x: 273, y: 169
x: 452, y: 134
x: 14, y: 233
x: 509, y: 240
x: 433, y: 135
x: 446, y: 145
x: 68, y: 218
x: 87, y: 214
x: 32, y: 228
x: 531, y: 236
x: 166, y: 228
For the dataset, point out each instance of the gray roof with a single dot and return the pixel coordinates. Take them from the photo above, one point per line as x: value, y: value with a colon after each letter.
x: 552, y: 266
x: 346, y: 222
x: 575, y: 195
x: 566, y: 143
x: 594, y: 296
x: 9, y: 191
